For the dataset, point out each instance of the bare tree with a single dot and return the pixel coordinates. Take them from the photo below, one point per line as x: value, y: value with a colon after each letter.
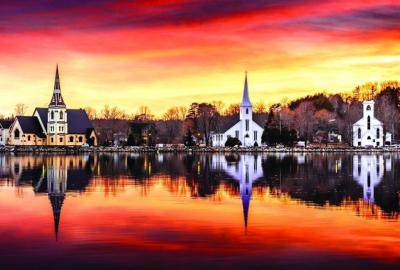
x: 91, y: 112
x: 20, y: 109
x: 304, y: 119
x: 144, y: 114
x: 232, y: 109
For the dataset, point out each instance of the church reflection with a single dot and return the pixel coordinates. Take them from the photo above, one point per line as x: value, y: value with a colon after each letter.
x: 245, y: 169
x: 368, y: 171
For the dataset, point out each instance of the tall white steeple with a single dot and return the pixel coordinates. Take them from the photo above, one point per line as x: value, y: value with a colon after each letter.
x: 246, y: 110
x: 57, y: 115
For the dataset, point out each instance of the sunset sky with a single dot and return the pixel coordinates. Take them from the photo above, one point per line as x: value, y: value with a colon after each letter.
x: 166, y: 53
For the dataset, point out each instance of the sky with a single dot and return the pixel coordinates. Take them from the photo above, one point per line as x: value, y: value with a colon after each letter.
x: 166, y: 53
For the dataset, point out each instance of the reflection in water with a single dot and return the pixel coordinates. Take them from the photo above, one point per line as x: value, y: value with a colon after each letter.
x: 126, y: 200
x: 243, y: 168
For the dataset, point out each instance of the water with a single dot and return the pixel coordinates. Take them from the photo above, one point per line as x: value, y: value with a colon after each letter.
x: 114, y: 211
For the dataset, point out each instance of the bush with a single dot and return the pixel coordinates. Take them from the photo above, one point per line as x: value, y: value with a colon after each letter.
x: 232, y: 141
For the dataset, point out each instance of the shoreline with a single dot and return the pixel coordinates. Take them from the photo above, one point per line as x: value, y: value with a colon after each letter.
x: 143, y: 149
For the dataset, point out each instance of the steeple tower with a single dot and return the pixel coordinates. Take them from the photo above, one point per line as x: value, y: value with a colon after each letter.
x: 245, y: 100
x: 57, y: 125
x: 57, y: 99
x: 246, y: 111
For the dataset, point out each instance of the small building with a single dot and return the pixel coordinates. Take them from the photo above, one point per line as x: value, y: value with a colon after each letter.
x: 368, y: 131
x: 5, y: 131
x: 246, y: 130
x: 55, y: 125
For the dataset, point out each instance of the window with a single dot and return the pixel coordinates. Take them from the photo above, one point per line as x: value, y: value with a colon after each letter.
x: 52, y: 115
x: 29, y: 137
x: 247, y: 125
x: 359, y: 133
x: 61, y: 115
x: 247, y: 110
x: 255, y: 135
x: 359, y: 143
x: 61, y: 140
x: 377, y: 133
x: 16, y: 134
x: 368, y: 108
x: 369, y: 122
x: 52, y: 139
x: 80, y: 139
x: 71, y: 139
x: 61, y: 129
x: 237, y: 134
x: 51, y: 128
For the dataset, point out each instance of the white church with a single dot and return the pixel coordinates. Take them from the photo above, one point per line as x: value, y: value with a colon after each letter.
x: 368, y: 131
x: 246, y: 130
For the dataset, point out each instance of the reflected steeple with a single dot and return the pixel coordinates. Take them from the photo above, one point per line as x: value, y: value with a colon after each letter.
x: 56, y: 187
x: 245, y: 169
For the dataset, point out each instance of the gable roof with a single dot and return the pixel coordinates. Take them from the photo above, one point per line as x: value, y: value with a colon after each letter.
x: 5, y: 123
x: 78, y: 120
x: 30, y: 124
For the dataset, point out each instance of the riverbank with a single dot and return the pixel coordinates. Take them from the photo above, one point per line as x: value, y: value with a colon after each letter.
x: 142, y: 149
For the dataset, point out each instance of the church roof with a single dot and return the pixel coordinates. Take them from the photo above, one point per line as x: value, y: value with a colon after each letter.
x: 246, y: 99
x: 30, y: 124
x: 6, y: 123
x: 78, y: 120
x: 57, y: 99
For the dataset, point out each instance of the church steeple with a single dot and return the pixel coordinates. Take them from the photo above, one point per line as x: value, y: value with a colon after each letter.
x: 245, y: 100
x: 56, y: 201
x: 57, y: 99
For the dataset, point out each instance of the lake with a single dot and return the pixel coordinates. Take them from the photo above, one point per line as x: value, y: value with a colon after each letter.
x: 200, y: 211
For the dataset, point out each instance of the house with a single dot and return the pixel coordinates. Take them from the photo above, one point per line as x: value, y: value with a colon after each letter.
x: 246, y: 130
x: 55, y: 125
x: 368, y: 131
x: 5, y: 131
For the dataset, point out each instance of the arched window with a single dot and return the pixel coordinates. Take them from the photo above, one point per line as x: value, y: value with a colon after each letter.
x: 377, y: 133
x: 368, y: 108
x: 247, y: 110
x: 369, y: 122
x: 359, y: 133
x: 16, y: 134
x: 61, y: 115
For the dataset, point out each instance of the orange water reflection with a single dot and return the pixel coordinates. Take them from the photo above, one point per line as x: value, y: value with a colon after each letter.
x: 118, y: 202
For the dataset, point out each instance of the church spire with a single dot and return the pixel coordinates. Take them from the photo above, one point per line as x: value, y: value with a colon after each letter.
x: 246, y: 205
x: 245, y: 100
x: 56, y: 201
x: 57, y: 99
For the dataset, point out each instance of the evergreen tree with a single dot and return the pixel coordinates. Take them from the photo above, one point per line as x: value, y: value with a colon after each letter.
x: 188, y: 139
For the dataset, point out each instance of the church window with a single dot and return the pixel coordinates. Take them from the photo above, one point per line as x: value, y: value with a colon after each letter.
x: 368, y: 122
x: 359, y: 143
x: 237, y: 134
x: 255, y: 135
x: 359, y: 133
x: 369, y: 138
x: 368, y: 108
x: 377, y: 133
x: 247, y: 110
x: 16, y: 134
x: 52, y: 115
x: 61, y: 115
x: 247, y: 125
